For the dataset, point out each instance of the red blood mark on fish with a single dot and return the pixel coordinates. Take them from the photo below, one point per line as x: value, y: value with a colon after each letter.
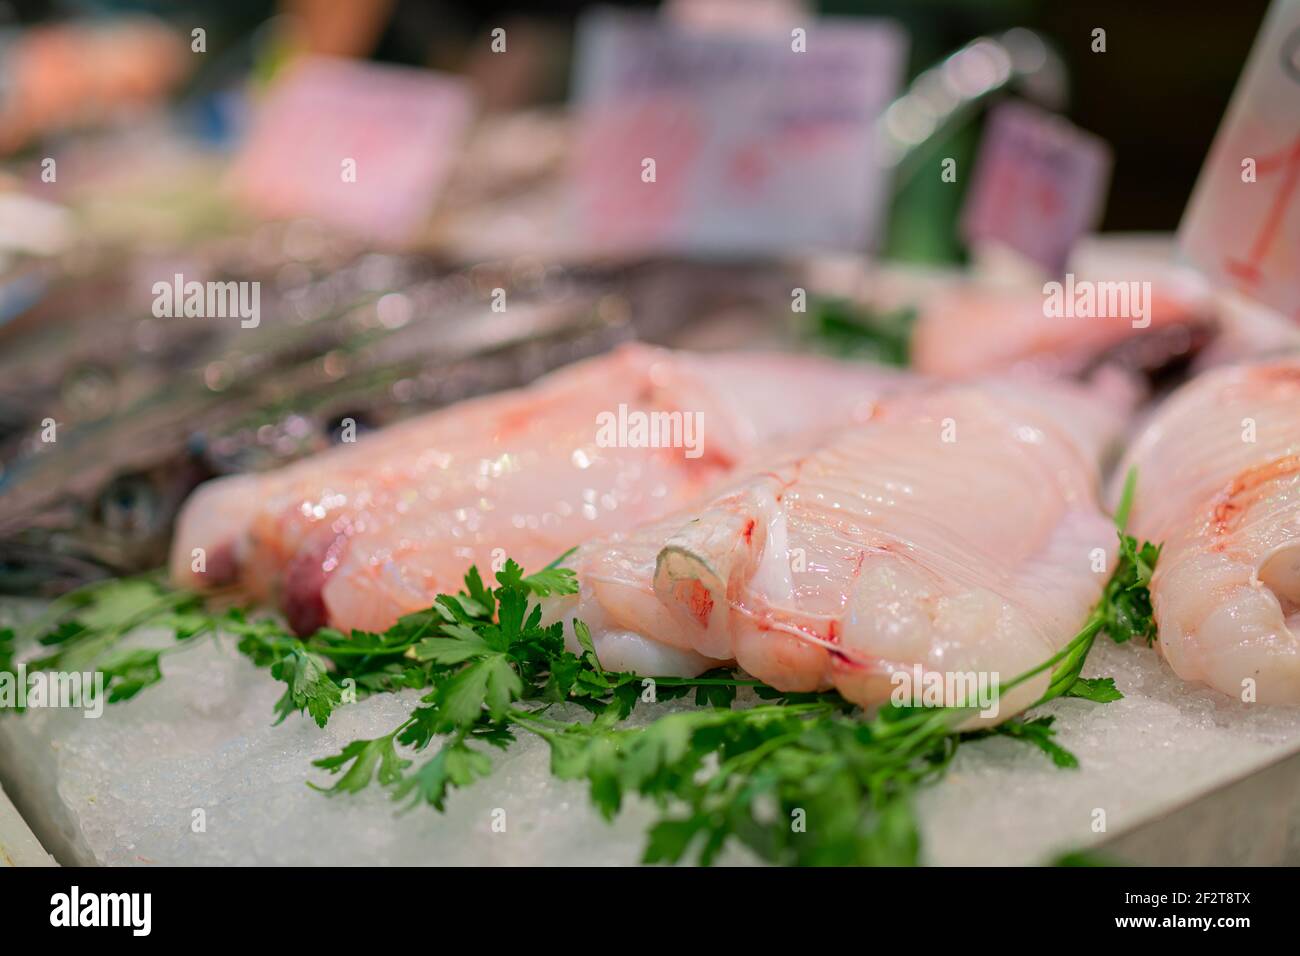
x: 1234, y: 500
x: 222, y: 568
x: 303, y: 599
x: 712, y: 459
x: 701, y: 602
x: 517, y: 421
x: 785, y: 483
x: 749, y: 531
x: 833, y: 632
x: 1276, y: 374
x: 843, y: 660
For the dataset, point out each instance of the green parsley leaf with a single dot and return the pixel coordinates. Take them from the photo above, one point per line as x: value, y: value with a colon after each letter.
x: 543, y: 583
x: 1040, y: 734
x: 365, y: 760
x: 310, y: 686
x: 489, y: 682
x: 127, y: 673
x: 1099, y: 690
x: 454, y: 765
x: 8, y: 651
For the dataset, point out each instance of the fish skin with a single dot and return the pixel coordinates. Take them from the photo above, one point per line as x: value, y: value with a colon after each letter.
x: 363, y: 533
x: 876, y: 549
x: 1226, y: 589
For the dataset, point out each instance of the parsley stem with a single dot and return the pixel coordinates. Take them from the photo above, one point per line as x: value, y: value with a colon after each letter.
x: 705, y: 682
x: 1085, y: 636
x: 345, y: 651
x: 524, y: 718
x: 745, y: 760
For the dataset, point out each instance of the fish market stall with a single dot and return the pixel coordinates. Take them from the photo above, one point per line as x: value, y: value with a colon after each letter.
x: 680, y: 435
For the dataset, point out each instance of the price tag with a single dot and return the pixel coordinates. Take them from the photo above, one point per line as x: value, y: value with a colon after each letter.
x: 358, y: 145
x: 1242, y: 227
x: 1040, y: 184
x: 701, y: 141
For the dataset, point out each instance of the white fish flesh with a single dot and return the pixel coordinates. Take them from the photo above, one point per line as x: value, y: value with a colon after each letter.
x: 1219, y: 484
x: 357, y: 536
x: 958, y: 531
x: 976, y: 329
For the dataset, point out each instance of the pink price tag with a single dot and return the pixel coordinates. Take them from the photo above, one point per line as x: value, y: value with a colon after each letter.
x: 730, y: 142
x: 358, y: 145
x: 1040, y: 184
x: 1242, y: 227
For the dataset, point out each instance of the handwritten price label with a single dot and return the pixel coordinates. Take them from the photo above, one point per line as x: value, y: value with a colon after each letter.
x: 756, y: 146
x: 361, y: 146
x: 1242, y: 227
x: 1040, y: 184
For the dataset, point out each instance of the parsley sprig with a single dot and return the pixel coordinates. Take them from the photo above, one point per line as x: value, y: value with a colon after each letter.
x: 1127, y: 599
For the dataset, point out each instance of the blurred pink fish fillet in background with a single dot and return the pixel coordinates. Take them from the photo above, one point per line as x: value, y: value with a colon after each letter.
x: 959, y: 530
x: 1219, y: 485
x: 974, y: 328
x: 358, y: 536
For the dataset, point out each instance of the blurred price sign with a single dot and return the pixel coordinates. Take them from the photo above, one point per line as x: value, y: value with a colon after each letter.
x: 357, y: 145
x: 730, y: 142
x: 1242, y: 227
x: 1040, y: 184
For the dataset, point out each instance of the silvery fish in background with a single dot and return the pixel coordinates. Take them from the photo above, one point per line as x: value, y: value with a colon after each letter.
x: 145, y: 408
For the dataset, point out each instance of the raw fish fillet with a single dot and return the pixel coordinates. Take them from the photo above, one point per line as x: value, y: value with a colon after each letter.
x: 359, y: 535
x: 975, y: 329
x: 1219, y: 485
x: 1248, y: 332
x: 957, y: 531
